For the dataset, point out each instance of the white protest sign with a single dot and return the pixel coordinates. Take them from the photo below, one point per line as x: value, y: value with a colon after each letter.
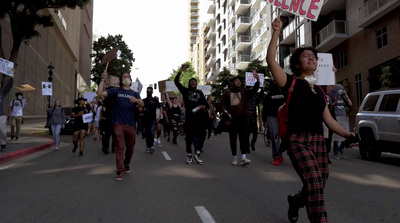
x: 135, y: 86
x: 170, y: 86
x: 250, y: 80
x: 6, y: 67
x: 47, y: 88
x: 90, y: 95
x: 344, y: 122
x: 308, y: 9
x: 206, y: 89
x: 324, y: 73
x: 87, y: 117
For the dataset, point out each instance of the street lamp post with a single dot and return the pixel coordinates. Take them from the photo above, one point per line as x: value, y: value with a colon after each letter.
x: 50, y: 79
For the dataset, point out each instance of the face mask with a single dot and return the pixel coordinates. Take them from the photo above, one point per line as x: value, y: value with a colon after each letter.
x: 311, y: 79
x: 126, y: 82
x: 19, y: 97
x: 340, y: 92
x: 57, y: 104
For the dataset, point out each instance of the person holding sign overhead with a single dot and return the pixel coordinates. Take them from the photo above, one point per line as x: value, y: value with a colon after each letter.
x: 80, y: 126
x: 307, y: 110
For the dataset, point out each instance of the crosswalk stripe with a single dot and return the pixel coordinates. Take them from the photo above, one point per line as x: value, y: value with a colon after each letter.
x: 166, y: 156
x: 205, y: 216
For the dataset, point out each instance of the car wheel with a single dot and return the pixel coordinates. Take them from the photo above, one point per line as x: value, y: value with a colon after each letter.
x: 369, y: 147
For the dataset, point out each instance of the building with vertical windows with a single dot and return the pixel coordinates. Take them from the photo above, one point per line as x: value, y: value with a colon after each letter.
x: 66, y: 45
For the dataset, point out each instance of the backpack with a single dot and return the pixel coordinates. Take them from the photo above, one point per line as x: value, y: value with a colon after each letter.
x: 283, y: 115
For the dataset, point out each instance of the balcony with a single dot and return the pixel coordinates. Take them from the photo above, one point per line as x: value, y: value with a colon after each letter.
x: 210, y: 62
x: 211, y: 48
x: 264, y: 30
x: 243, y: 60
x: 194, y: 2
x: 232, y: 34
x: 289, y: 34
x: 258, y: 44
x: 211, y: 21
x: 232, y: 66
x: 232, y: 51
x: 255, y: 4
x: 241, y: 6
x: 242, y: 42
x: 286, y: 61
x: 257, y: 20
x: 373, y: 10
x: 231, y: 17
x: 242, y: 24
x: 256, y: 56
x: 211, y: 8
x: 331, y: 35
x: 332, y: 5
x: 231, y: 2
x: 194, y: 21
x: 211, y: 34
x: 194, y: 15
x: 194, y: 28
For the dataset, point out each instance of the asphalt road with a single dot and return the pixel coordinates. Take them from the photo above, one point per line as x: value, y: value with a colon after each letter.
x: 62, y: 187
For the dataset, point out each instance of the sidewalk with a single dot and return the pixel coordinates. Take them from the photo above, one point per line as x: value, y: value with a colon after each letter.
x: 30, y: 140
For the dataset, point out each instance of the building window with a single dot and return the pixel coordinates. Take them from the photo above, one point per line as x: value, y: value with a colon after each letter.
x: 358, y: 89
x: 381, y: 37
x: 300, y: 38
x: 341, y: 60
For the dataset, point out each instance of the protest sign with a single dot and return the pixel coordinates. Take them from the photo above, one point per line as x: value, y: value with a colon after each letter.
x: 170, y: 86
x: 90, y: 95
x: 25, y: 87
x: 324, y: 73
x: 344, y: 122
x: 135, y: 86
x: 308, y: 9
x: 111, y: 55
x: 206, y: 89
x: 87, y: 118
x: 47, y: 88
x: 6, y: 67
x: 250, y: 80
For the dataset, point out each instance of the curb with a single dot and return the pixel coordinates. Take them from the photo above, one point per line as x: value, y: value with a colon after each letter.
x: 21, y: 153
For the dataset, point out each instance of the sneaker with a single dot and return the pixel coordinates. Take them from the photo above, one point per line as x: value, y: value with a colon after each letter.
x: 105, y: 151
x: 276, y: 162
x: 174, y: 141
x: 119, y: 176
x: 281, y: 159
x: 293, y: 212
x: 152, y: 150
x: 75, y: 147
x: 198, y: 159
x: 336, y: 157
x: 169, y: 139
x: 3, y: 147
x: 268, y: 142
x: 245, y: 162
x: 147, y: 150
x: 189, y: 159
x: 80, y: 153
x: 56, y: 148
x: 127, y: 169
x: 253, y: 147
x: 235, y: 161
x: 159, y: 141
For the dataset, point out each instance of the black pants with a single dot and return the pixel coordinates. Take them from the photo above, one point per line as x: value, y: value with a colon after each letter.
x: 253, y: 129
x: 195, y: 128
x: 107, y: 131
x: 239, y: 126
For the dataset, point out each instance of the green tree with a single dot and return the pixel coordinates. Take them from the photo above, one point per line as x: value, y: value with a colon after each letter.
x: 186, y: 75
x: 25, y: 16
x: 117, y: 66
x: 222, y: 83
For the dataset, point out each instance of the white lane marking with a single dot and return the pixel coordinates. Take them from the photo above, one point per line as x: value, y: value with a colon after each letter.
x: 205, y: 216
x: 166, y: 156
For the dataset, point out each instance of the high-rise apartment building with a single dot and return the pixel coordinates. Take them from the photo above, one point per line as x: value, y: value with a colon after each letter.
x: 67, y: 45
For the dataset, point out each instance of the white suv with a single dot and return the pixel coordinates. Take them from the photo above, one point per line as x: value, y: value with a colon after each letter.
x: 378, y: 123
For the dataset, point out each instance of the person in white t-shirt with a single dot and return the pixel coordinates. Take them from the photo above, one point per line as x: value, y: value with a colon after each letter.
x: 16, y: 111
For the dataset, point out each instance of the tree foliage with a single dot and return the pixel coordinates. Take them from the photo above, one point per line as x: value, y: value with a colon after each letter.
x: 186, y: 75
x: 390, y: 77
x: 117, y: 66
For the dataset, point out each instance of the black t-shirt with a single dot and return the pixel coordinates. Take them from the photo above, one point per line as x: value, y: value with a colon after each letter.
x: 150, y: 105
x: 305, y: 107
x: 78, y: 121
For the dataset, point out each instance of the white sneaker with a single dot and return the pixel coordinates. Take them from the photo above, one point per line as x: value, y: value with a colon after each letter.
x: 245, y: 162
x: 235, y: 161
x: 159, y: 142
x: 56, y: 148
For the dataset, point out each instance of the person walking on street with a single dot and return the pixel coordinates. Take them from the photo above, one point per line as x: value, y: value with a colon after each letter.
x: 252, y: 117
x: 106, y: 126
x: 307, y: 110
x: 57, y: 120
x: 16, y: 111
x: 196, y: 116
x: 212, y: 116
x: 234, y: 101
x: 340, y: 100
x: 79, y: 128
x: 159, y: 125
x: 96, y: 119
x: 174, y: 117
x: 149, y: 119
x: 123, y: 118
x: 5, y: 87
x: 272, y: 101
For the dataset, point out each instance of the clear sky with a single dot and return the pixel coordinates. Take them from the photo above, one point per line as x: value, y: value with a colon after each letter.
x: 156, y: 31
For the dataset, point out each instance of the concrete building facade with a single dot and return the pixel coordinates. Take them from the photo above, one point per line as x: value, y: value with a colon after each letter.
x: 67, y: 45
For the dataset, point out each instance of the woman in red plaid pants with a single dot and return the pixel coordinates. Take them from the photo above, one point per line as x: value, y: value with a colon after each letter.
x: 307, y: 111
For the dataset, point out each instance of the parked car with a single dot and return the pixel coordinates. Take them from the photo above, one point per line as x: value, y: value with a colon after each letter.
x: 378, y: 123
x: 69, y: 122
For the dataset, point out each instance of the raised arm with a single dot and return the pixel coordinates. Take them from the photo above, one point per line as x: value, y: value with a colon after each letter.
x: 100, y: 90
x: 178, y: 76
x: 276, y: 70
x: 167, y: 99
